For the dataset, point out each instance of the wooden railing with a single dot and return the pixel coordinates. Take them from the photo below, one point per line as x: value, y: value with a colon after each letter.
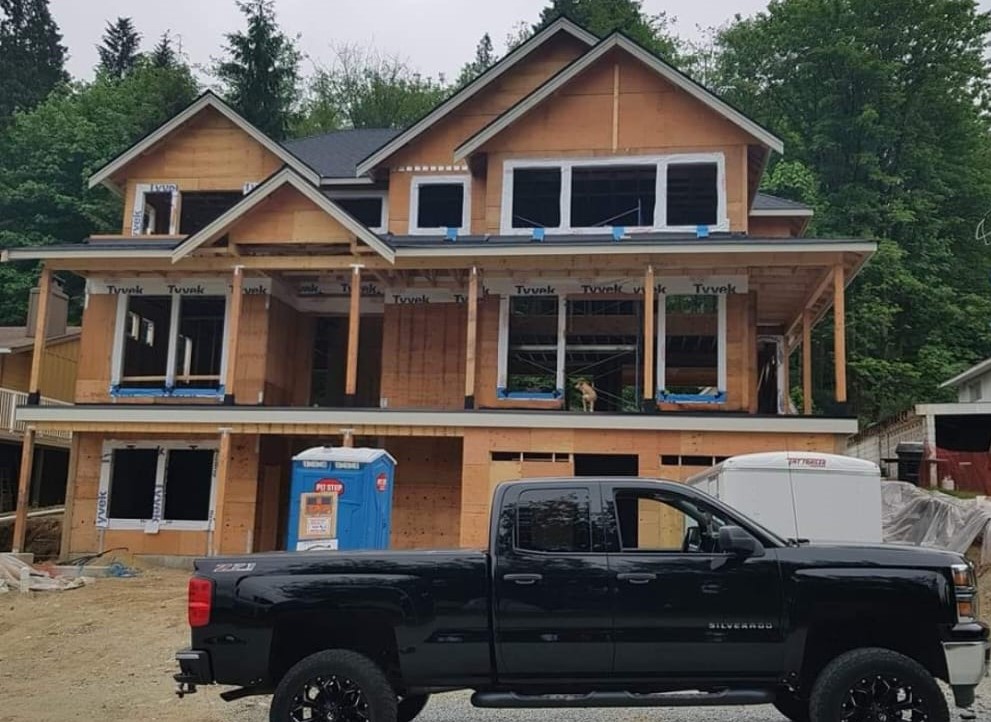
x: 10, y: 400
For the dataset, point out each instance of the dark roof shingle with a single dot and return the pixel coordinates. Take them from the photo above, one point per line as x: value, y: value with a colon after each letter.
x: 767, y: 202
x: 335, y: 154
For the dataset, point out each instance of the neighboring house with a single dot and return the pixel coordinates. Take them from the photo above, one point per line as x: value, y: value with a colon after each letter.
x: 956, y: 437
x: 582, y: 210
x: 57, y: 386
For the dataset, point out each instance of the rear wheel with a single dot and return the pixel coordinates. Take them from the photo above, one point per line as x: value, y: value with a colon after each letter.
x: 337, y: 686
x: 792, y: 706
x: 876, y: 684
x: 411, y: 706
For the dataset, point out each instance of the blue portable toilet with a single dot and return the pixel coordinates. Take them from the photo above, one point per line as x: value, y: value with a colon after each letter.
x: 341, y: 498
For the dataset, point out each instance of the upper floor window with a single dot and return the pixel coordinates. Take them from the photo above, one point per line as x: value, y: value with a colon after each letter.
x: 198, y: 209
x: 368, y: 208
x: 594, y: 195
x: 439, y: 203
x: 161, y: 209
x: 691, y: 341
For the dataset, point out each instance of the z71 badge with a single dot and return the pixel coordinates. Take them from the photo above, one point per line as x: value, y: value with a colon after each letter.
x: 238, y: 567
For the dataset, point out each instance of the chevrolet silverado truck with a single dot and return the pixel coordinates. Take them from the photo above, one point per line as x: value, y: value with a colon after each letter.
x: 594, y: 593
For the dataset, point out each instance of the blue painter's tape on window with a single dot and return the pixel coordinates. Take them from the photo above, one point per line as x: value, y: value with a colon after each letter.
x: 719, y: 398
x: 133, y: 393
x: 538, y: 234
x: 618, y: 232
x: 502, y: 393
x: 188, y: 393
x: 451, y: 235
x: 702, y: 231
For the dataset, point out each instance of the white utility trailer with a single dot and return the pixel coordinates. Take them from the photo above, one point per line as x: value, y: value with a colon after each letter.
x: 801, y: 494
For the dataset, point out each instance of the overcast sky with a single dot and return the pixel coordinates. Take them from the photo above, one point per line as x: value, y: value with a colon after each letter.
x: 436, y: 36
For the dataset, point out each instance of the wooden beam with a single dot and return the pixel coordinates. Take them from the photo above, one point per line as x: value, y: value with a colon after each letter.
x: 233, y: 333
x: 615, y: 107
x: 354, y: 321
x: 23, y: 490
x: 220, y: 493
x: 471, y: 342
x: 40, y: 334
x: 839, y: 332
x: 784, y: 404
x: 807, y: 362
x: 70, y: 497
x: 649, y: 370
x: 821, y: 286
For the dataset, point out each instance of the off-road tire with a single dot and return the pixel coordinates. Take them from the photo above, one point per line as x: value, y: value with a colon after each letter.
x: 374, y: 686
x: 792, y: 706
x: 853, y: 668
x: 410, y: 707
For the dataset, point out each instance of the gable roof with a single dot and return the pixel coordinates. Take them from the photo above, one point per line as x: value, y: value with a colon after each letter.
x: 767, y: 205
x: 207, y: 100
x: 665, y: 70
x: 335, y: 154
x: 285, y: 176
x: 562, y: 24
x: 971, y: 373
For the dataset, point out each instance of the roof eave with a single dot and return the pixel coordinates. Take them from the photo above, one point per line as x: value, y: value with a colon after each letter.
x: 782, y: 213
x: 968, y: 375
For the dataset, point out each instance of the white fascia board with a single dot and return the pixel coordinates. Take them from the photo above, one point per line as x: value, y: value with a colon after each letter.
x: 263, y: 191
x: 969, y: 374
x: 470, y: 90
x: 797, y: 213
x: 652, y: 61
x: 208, y: 99
x: 220, y: 416
x: 40, y: 253
x: 363, y: 181
x: 625, y: 248
x: 957, y: 409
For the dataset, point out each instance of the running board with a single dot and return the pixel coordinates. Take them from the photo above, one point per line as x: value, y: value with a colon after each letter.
x: 726, y: 697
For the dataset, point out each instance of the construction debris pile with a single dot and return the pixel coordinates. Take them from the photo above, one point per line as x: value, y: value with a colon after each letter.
x: 16, y: 574
x: 915, y: 516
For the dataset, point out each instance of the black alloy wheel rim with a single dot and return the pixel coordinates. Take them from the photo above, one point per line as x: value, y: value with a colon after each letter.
x: 883, y: 698
x: 330, y: 699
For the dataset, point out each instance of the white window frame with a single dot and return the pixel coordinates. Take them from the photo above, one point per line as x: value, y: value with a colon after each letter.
x: 661, y: 162
x: 138, y: 212
x: 383, y: 225
x: 414, y: 203
x: 661, y: 350
x: 157, y: 522
x: 122, y: 333
x: 502, y: 367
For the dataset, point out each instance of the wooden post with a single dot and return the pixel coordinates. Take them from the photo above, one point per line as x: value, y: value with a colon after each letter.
x: 839, y: 331
x: 70, y: 496
x: 807, y: 362
x: 354, y: 322
x: 23, y: 488
x: 40, y: 334
x: 233, y: 333
x: 649, y: 370
x: 472, y: 339
x: 784, y: 403
x: 220, y: 493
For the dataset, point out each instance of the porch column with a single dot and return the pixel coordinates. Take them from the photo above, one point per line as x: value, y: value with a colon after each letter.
x: 839, y: 332
x: 807, y: 362
x: 472, y: 339
x: 23, y: 487
x: 784, y: 401
x: 649, y: 370
x: 354, y: 321
x: 220, y: 492
x: 233, y: 333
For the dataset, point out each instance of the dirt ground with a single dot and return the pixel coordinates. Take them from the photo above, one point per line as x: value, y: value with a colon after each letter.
x: 105, y: 652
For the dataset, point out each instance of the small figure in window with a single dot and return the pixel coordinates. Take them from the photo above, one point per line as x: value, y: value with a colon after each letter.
x: 589, y: 397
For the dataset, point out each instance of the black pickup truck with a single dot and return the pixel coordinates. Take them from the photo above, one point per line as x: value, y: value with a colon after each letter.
x: 594, y: 593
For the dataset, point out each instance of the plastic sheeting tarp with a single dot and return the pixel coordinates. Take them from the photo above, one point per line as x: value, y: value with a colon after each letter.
x: 915, y: 516
x: 13, y: 570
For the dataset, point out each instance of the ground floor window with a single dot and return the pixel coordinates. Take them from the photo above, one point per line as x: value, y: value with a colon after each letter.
x: 148, y: 486
x: 691, y: 354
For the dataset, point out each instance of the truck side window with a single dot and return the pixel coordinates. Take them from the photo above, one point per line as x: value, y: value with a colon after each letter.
x: 553, y: 520
x: 649, y: 523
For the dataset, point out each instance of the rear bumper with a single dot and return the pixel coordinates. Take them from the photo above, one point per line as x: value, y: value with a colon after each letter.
x: 194, y: 667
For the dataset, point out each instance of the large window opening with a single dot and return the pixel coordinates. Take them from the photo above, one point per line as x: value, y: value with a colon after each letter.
x: 694, y: 339
x: 693, y: 195
x: 146, y: 341
x: 367, y: 210
x: 188, y: 476
x: 613, y: 196
x: 157, y: 213
x: 603, y: 347
x: 536, y: 197
x: 329, y: 367
x: 199, y: 209
x: 439, y: 205
x: 533, y: 346
x: 201, y: 341
x: 132, y: 483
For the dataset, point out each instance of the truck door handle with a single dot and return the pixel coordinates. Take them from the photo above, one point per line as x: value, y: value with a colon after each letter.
x: 637, y: 578
x: 523, y: 579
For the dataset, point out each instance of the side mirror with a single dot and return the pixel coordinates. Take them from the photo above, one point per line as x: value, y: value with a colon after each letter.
x: 739, y: 542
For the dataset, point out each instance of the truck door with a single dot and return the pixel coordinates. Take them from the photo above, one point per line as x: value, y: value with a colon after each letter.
x: 681, y: 606
x: 552, y: 614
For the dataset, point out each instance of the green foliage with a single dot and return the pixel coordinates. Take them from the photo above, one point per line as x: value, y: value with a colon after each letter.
x: 47, y: 154
x: 32, y: 57
x: 261, y: 71
x: 164, y: 55
x: 364, y: 89
x: 485, y: 58
x: 882, y: 105
x: 602, y: 17
x: 119, y: 53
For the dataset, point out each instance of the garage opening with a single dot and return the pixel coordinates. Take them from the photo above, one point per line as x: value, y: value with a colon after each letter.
x: 607, y: 465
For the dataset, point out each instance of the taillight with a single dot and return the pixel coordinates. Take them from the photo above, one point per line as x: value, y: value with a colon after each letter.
x: 965, y: 591
x: 200, y: 601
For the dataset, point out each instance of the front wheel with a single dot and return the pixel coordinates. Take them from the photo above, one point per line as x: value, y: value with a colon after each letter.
x: 876, y: 684
x: 337, y: 685
x: 411, y: 706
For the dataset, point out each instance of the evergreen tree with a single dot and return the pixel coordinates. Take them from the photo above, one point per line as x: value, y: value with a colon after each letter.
x: 261, y: 70
x: 32, y: 57
x: 164, y: 55
x: 119, y: 48
x: 485, y: 58
x: 603, y: 17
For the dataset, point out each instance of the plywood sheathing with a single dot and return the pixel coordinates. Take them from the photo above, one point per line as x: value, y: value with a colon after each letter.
x: 288, y: 217
x: 289, y: 356
x: 426, y: 498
